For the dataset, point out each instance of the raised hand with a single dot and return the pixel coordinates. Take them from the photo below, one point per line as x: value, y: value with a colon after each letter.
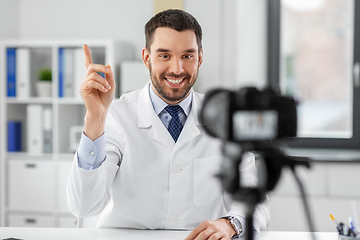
x: 97, y: 93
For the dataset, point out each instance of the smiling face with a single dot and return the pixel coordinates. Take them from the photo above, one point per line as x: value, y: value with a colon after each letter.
x: 173, y: 61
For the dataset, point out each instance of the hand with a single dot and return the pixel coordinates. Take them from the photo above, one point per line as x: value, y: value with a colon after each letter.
x: 97, y: 93
x: 212, y: 230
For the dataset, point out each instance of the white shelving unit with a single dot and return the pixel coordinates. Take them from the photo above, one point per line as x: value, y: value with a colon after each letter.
x: 32, y: 188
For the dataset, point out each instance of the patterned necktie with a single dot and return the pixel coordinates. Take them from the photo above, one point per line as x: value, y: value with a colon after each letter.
x: 175, y: 125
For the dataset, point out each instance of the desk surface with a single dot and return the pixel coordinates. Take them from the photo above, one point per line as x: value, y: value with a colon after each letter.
x: 122, y: 234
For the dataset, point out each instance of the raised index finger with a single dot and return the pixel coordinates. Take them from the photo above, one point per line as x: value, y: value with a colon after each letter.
x: 87, y: 53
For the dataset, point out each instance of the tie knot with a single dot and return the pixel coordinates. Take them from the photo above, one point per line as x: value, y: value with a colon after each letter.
x: 173, y: 110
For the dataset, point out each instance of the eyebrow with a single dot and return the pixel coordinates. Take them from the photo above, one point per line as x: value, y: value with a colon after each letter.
x: 162, y: 50
x: 191, y: 50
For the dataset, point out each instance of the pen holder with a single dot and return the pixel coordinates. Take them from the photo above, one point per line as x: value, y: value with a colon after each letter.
x: 342, y: 237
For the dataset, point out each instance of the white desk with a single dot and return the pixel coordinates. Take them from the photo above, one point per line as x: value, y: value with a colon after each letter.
x: 127, y: 234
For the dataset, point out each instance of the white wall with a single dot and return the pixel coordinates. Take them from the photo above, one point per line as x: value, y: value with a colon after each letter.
x: 9, y: 18
x: 251, y: 34
x: 121, y: 20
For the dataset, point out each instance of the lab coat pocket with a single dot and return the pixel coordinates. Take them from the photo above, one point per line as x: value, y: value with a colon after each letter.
x: 207, y: 186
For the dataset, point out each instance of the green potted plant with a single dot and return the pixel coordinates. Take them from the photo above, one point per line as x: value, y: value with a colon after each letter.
x: 44, y: 86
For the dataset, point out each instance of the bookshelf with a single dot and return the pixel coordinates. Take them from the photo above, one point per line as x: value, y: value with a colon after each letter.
x: 33, y: 181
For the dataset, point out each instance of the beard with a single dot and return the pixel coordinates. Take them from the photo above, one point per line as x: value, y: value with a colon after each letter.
x: 172, y: 94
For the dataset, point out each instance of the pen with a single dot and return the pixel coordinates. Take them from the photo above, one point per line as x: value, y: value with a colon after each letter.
x: 354, y: 218
x: 338, y: 226
x: 351, y: 224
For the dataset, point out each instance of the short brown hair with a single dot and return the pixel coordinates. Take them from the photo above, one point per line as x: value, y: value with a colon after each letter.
x: 178, y: 20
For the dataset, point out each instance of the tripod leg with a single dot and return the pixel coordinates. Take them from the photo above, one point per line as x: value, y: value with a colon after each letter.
x: 249, y: 231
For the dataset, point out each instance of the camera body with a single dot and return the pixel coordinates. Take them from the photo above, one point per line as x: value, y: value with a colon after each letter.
x: 248, y: 115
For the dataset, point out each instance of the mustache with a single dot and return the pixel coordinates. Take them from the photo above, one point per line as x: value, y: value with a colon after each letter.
x: 173, y: 75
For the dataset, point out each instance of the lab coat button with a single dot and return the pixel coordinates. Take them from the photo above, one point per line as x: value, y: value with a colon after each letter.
x: 92, y: 154
x: 178, y: 170
x: 175, y: 219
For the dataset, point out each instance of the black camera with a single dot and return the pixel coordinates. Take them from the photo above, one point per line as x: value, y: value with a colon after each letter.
x: 248, y: 115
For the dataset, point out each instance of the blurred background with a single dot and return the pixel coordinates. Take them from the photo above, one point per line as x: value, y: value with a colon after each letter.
x: 304, y: 48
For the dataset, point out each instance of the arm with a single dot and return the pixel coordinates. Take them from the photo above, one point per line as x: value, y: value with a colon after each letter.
x: 88, y: 191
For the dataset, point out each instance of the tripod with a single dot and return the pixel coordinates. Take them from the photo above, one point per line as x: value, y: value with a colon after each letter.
x: 273, y: 162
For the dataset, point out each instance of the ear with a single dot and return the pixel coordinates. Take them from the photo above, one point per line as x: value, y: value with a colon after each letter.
x: 200, y: 57
x: 145, y: 54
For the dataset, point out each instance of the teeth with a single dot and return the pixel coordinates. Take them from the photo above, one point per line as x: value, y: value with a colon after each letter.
x: 173, y: 81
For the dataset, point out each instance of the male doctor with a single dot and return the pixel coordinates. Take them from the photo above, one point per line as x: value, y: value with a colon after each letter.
x: 144, y: 160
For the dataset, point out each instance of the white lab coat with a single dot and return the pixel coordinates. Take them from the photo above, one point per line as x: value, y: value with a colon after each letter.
x: 159, y: 184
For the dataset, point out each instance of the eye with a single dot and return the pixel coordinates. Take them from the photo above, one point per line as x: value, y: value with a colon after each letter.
x: 187, y: 56
x: 164, y: 56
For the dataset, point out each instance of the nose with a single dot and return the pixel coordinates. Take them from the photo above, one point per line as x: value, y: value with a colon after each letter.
x: 176, y: 66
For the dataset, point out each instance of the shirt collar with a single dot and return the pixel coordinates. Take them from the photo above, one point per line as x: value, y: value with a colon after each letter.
x: 160, y: 104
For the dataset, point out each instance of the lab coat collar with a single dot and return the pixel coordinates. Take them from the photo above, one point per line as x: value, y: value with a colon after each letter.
x: 147, y: 118
x: 191, y: 127
x: 146, y: 113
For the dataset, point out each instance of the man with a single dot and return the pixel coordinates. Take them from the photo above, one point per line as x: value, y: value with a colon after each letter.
x: 150, y: 176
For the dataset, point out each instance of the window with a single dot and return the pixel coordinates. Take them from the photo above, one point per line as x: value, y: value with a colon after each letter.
x: 313, y: 56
